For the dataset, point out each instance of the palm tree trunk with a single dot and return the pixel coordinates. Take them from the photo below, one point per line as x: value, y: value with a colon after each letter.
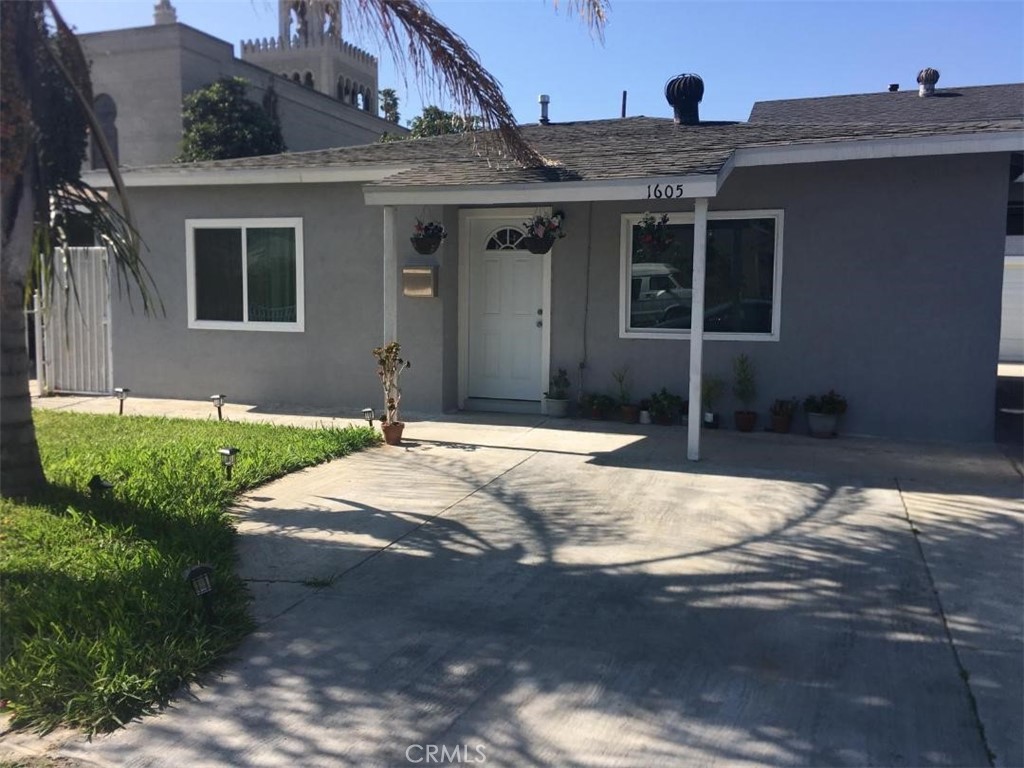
x: 21, y: 471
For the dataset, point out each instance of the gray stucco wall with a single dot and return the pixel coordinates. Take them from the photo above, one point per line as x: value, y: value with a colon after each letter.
x: 891, y: 283
x: 329, y: 364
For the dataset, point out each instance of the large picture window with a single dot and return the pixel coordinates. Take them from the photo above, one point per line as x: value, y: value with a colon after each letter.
x: 742, y: 281
x: 245, y: 274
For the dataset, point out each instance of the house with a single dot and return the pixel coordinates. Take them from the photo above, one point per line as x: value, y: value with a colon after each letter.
x: 982, y: 102
x: 141, y: 75
x: 861, y: 256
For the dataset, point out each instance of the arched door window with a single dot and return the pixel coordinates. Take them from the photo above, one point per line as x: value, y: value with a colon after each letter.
x: 505, y: 239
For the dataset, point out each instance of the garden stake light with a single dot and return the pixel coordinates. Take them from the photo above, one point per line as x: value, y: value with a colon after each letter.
x: 98, y: 486
x: 368, y: 414
x: 227, y: 459
x: 218, y: 403
x: 198, y: 577
x: 121, y: 393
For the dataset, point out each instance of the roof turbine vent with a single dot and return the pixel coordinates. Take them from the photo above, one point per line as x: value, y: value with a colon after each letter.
x: 927, y: 78
x: 684, y: 93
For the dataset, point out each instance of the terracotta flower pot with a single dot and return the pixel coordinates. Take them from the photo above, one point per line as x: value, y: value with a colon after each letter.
x: 631, y: 414
x: 781, y: 424
x: 746, y: 420
x: 393, y: 432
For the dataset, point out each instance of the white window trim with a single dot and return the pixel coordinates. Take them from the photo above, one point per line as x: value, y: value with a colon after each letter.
x: 191, y: 225
x: 625, y: 276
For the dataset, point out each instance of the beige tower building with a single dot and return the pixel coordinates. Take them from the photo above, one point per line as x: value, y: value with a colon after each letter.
x: 309, y: 50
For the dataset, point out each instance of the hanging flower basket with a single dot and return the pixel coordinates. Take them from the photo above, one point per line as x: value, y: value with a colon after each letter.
x: 427, y: 237
x: 425, y: 245
x: 538, y: 245
x: 651, y: 237
x: 542, y: 231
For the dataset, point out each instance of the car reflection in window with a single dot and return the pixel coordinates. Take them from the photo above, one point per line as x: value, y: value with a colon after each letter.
x: 656, y: 290
x: 743, y: 316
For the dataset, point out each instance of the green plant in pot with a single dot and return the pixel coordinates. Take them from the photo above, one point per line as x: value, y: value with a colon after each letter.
x: 556, y: 399
x: 711, y: 390
x: 390, y: 367
x: 744, y: 387
x: 823, y: 412
x: 630, y: 412
x: 597, y: 405
x: 782, y: 414
x: 666, y: 408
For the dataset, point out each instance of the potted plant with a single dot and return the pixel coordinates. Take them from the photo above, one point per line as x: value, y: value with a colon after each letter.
x: 427, y: 237
x: 745, y: 389
x: 597, y: 406
x: 630, y: 412
x: 390, y: 366
x: 823, y: 412
x: 711, y: 388
x: 542, y: 231
x: 556, y: 399
x: 651, y: 237
x: 782, y: 414
x: 645, y: 411
x: 666, y: 408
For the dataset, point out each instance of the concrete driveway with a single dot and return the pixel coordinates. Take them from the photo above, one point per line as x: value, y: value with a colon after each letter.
x: 529, y: 593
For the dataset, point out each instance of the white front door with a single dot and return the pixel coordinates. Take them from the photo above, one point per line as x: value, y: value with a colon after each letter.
x: 506, y: 320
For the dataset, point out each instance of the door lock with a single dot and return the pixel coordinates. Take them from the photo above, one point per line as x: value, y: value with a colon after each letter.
x: 540, y: 323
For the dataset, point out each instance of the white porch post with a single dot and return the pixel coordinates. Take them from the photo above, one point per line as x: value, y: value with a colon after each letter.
x: 390, y: 281
x: 700, y: 241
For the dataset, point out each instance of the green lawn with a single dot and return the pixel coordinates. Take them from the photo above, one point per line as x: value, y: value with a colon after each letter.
x: 98, y: 624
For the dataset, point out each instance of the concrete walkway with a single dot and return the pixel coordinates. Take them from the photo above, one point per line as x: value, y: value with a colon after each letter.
x: 577, y: 594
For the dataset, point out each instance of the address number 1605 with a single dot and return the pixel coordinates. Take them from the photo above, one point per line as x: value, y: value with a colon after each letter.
x: 659, y: 191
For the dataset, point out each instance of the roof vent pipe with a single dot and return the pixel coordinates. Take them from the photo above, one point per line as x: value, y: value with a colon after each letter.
x: 544, y: 100
x: 684, y: 93
x: 893, y: 87
x: 927, y: 78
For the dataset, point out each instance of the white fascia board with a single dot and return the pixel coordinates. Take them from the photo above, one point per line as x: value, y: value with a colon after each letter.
x: 704, y: 185
x: 193, y: 177
x: 873, y: 149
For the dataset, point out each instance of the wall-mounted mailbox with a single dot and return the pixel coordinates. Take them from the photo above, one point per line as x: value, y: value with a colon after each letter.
x: 420, y: 282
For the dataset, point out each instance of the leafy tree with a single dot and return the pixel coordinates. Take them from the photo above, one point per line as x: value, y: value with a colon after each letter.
x: 436, y: 122
x: 45, y: 118
x: 389, y: 105
x: 220, y: 123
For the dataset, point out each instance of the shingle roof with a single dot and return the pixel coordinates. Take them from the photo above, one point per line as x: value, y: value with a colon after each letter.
x: 628, y: 148
x: 648, y: 147
x: 948, y: 105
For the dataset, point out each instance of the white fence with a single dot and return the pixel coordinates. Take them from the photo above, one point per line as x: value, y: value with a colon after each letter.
x: 75, y: 356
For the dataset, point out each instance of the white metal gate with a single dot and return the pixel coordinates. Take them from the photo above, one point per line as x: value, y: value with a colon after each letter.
x: 76, y: 324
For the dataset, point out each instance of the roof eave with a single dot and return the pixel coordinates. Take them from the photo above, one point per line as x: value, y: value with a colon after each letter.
x: 873, y: 149
x: 646, y: 188
x: 192, y: 177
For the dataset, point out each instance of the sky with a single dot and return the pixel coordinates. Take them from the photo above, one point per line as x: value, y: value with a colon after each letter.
x: 744, y: 51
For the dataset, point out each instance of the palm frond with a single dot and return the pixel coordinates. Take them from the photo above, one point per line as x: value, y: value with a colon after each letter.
x: 417, y: 39
x: 74, y: 200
